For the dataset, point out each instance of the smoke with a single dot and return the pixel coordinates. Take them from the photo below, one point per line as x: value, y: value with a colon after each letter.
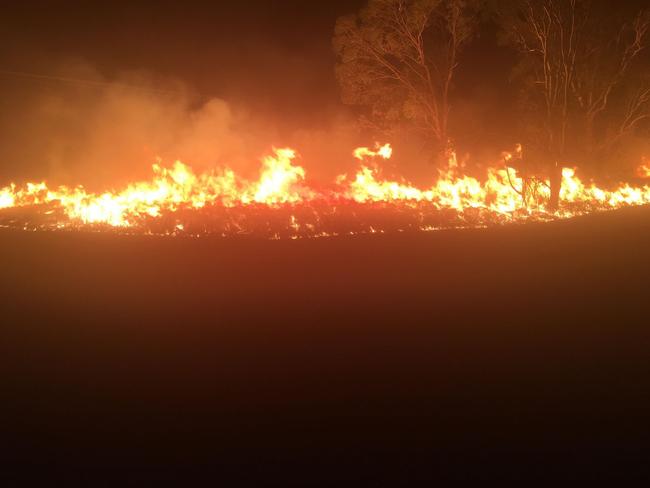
x: 77, y: 126
x: 80, y: 127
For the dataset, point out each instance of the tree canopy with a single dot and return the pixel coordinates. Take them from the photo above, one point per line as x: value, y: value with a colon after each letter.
x: 398, y: 58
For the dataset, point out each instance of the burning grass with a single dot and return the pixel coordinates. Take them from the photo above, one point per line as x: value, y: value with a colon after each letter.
x: 280, y: 204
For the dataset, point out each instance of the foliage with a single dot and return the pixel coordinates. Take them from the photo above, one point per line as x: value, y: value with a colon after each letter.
x: 398, y: 58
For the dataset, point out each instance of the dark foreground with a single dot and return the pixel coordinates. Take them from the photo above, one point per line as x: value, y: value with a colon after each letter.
x: 520, y: 352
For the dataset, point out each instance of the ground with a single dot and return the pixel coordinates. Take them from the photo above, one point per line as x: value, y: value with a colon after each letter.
x: 514, y: 352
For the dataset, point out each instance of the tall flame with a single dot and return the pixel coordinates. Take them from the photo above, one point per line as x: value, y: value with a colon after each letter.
x: 278, y: 179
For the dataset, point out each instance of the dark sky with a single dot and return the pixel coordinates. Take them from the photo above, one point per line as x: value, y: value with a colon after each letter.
x: 274, y: 54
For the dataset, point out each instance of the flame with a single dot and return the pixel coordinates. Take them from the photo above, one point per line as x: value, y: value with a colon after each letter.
x: 278, y: 179
x: 449, y: 192
x: 385, y: 151
x: 643, y: 171
x: 282, y: 183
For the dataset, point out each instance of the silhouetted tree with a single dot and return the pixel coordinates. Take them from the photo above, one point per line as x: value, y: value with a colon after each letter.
x: 397, y: 58
x: 583, y: 93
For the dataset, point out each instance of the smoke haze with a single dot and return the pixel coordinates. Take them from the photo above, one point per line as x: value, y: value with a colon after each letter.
x: 105, y: 91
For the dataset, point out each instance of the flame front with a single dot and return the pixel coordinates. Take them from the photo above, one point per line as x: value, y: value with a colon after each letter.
x: 283, y: 184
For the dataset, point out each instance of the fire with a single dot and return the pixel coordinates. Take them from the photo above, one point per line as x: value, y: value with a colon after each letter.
x: 282, y: 187
x: 449, y: 192
x: 169, y: 189
x: 278, y: 179
x: 385, y: 152
x: 643, y: 171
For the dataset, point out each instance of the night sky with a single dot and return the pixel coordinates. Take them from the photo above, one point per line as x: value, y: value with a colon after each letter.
x: 274, y: 55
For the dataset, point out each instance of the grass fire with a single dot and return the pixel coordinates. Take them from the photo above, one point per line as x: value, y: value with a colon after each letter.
x: 313, y: 243
x: 176, y: 199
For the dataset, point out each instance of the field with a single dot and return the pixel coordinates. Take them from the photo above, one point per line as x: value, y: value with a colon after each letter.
x: 512, y: 352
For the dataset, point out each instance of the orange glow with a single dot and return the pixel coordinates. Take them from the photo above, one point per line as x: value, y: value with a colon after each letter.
x: 385, y: 152
x: 282, y: 183
x: 278, y: 179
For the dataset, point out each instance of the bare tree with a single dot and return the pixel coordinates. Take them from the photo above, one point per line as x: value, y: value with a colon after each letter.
x: 398, y: 59
x: 579, y: 64
x: 606, y: 65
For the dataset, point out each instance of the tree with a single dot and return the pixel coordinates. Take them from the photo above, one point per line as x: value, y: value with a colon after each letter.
x: 397, y: 58
x: 583, y: 92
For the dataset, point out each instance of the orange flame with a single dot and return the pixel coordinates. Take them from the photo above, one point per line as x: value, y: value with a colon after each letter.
x: 282, y: 183
x: 385, y: 151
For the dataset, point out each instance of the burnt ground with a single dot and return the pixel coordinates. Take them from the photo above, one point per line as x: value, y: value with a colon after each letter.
x: 516, y: 352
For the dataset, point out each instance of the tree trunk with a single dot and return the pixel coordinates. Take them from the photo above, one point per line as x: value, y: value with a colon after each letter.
x: 556, y: 187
